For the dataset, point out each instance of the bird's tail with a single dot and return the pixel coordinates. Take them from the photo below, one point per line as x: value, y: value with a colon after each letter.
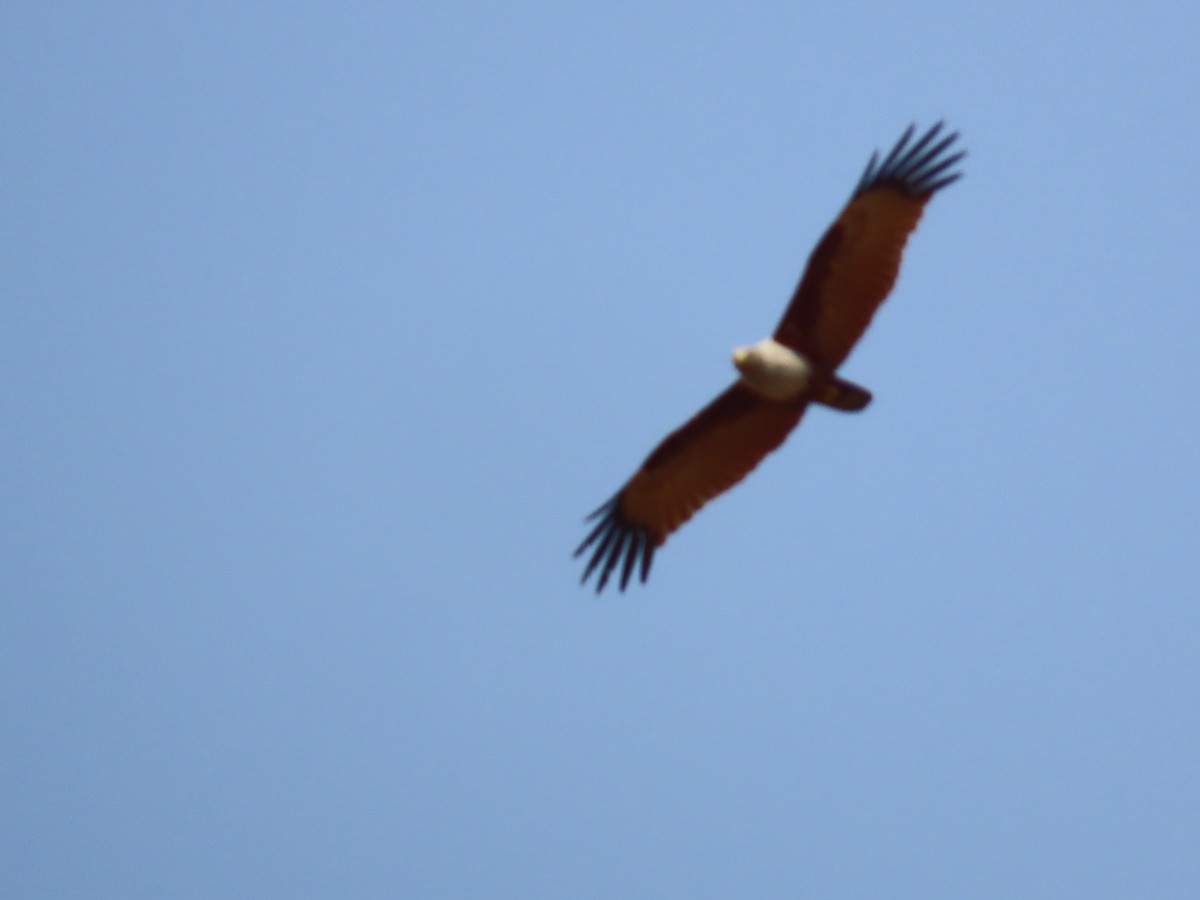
x: 839, y: 394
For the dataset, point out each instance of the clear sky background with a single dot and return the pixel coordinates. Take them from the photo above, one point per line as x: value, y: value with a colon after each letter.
x: 322, y: 326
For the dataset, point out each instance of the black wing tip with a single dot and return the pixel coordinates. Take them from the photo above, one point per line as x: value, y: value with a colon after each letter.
x: 917, y: 171
x: 617, y: 542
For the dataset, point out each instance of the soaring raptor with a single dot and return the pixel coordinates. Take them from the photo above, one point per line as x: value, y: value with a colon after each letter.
x: 848, y: 276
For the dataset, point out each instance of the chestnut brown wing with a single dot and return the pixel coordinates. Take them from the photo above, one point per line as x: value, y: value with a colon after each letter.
x: 854, y: 266
x: 705, y: 457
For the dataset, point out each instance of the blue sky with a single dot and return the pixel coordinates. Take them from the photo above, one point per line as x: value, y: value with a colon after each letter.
x: 323, y: 326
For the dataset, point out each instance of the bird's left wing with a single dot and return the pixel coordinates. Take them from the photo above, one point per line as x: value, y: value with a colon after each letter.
x: 709, y: 454
x: 855, y: 264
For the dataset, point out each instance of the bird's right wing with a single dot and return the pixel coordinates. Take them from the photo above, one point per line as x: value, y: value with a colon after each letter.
x: 705, y: 457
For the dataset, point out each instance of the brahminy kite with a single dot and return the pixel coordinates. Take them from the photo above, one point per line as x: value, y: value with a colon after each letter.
x: 848, y: 276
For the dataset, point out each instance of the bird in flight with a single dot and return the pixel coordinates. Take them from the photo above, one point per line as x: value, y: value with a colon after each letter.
x: 849, y: 274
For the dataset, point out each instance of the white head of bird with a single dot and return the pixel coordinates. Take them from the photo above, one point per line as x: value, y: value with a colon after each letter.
x: 773, y: 370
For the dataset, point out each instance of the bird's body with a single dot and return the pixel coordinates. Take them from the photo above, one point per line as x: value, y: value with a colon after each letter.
x: 848, y: 276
